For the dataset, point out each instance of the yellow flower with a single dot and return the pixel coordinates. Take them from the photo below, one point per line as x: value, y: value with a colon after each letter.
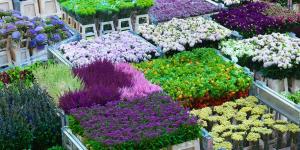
x: 237, y: 137
x: 293, y: 128
x: 253, y: 137
x: 226, y: 145
x: 259, y: 110
x: 261, y: 130
x: 269, y: 122
x: 281, y: 128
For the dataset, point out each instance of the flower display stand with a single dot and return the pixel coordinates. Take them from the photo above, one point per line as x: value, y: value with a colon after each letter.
x: 5, y: 57
x: 141, y: 20
x: 6, y: 5
x: 109, y: 24
x: 126, y: 21
x: 190, y: 145
x: 49, y: 8
x: 295, y: 86
x: 19, y: 52
x: 29, y: 8
x: 64, y: 16
x: 87, y: 31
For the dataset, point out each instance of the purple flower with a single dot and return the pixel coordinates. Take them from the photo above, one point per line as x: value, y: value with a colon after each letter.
x: 39, y: 29
x: 56, y: 37
x: 57, y: 22
x: 123, y: 121
x: 41, y: 39
x: 10, y: 27
x: 32, y: 43
x: 3, y: 32
x: 16, y: 35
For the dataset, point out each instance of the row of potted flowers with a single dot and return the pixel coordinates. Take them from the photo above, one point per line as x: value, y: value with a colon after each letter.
x: 180, y: 34
x: 197, y: 79
x: 116, y: 47
x: 275, y: 55
x: 165, y: 10
x: 246, y: 123
x: 259, y: 18
x: 23, y: 40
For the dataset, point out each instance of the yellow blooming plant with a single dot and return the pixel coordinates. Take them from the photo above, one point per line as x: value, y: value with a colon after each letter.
x: 243, y: 120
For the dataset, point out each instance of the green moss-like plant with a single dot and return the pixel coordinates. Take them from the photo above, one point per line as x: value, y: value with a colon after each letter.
x: 57, y: 79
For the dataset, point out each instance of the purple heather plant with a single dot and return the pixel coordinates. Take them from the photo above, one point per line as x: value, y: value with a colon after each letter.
x: 106, y: 82
x: 133, y: 121
x: 165, y: 10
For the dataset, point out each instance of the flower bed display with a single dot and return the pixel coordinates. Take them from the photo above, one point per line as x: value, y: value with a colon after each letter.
x: 27, y: 118
x: 56, y: 79
x: 165, y: 10
x: 152, y: 122
x: 87, y: 10
x: 234, y: 125
x: 258, y: 18
x: 276, y: 55
x: 115, y: 47
x: 41, y: 32
x: 177, y: 34
x: 105, y: 82
x: 198, y: 79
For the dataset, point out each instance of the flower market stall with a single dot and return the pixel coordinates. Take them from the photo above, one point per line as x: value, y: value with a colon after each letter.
x: 150, y: 75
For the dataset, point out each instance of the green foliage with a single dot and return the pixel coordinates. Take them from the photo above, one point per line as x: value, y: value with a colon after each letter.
x: 195, y: 74
x: 57, y: 79
x: 295, y: 97
x: 84, y: 8
x: 27, y: 118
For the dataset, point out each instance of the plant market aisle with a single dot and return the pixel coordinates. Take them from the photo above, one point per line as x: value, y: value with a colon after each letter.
x: 163, y: 85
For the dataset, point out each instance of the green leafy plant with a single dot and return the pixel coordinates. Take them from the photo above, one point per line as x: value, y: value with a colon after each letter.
x: 198, y: 78
x: 28, y: 119
x: 57, y: 79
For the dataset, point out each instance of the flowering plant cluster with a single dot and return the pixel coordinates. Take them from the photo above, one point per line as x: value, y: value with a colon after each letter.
x: 234, y: 123
x: 259, y: 18
x: 273, y: 51
x: 165, y: 10
x: 174, y: 35
x: 40, y: 31
x: 198, y: 79
x: 115, y: 47
x: 105, y: 82
x: 144, y: 123
x: 248, y: 19
x: 103, y: 8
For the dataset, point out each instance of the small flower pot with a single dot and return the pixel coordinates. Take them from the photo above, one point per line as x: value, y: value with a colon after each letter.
x: 39, y: 54
x: 276, y: 85
x: 295, y: 86
x: 19, y: 53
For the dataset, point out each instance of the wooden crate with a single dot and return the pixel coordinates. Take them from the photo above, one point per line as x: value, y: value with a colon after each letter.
x: 6, y: 5
x: 19, y: 52
x: 29, y: 8
x: 5, y: 57
x: 49, y: 8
